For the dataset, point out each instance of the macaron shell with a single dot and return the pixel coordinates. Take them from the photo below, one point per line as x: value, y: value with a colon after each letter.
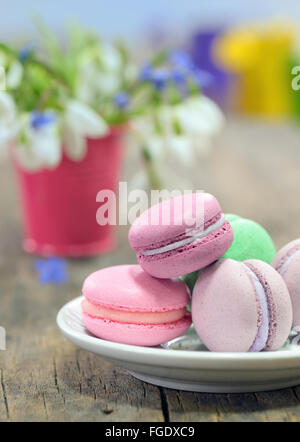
x: 284, y: 253
x: 291, y: 275
x: 251, y: 241
x: 224, y: 309
x: 128, y: 287
x: 292, y: 280
x: 190, y: 258
x: 136, y: 334
x: 182, y: 209
x: 279, y: 302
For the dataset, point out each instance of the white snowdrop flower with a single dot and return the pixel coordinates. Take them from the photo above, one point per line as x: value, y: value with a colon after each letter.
x: 8, y: 120
x: 199, y: 115
x: 79, y: 122
x: 110, y: 57
x: 182, y: 147
x: 14, y: 75
x: 41, y: 147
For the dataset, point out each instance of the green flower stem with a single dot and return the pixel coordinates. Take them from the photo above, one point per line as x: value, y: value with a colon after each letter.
x: 154, y: 181
x: 43, y: 98
x: 8, y: 50
x: 31, y: 60
x: 51, y: 72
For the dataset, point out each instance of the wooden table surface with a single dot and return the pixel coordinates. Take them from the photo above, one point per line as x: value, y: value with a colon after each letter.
x: 254, y: 171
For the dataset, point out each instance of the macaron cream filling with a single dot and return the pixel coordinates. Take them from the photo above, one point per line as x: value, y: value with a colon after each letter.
x: 198, y: 235
x: 261, y: 338
x: 99, y: 311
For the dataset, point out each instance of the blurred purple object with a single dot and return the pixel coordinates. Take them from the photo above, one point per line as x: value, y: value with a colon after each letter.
x: 202, y: 54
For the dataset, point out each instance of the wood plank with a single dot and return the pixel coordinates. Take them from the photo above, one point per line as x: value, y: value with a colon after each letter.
x: 274, y: 406
x: 48, y: 379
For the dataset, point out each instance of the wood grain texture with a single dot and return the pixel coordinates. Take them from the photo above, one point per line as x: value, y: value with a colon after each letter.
x: 254, y: 171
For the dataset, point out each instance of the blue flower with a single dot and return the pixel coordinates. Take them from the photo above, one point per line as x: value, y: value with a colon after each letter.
x: 39, y: 119
x: 52, y: 270
x: 182, y: 60
x: 25, y: 51
x: 160, y: 78
x: 146, y: 72
x: 181, y: 82
x: 184, y: 67
x: 180, y: 68
x: 121, y: 100
x: 178, y: 77
x: 202, y: 78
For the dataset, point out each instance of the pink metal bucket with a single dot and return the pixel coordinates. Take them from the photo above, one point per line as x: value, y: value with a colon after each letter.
x: 59, y: 206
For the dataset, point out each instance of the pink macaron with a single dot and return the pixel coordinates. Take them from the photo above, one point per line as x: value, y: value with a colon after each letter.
x: 241, y: 307
x: 287, y: 263
x: 180, y: 235
x: 124, y: 304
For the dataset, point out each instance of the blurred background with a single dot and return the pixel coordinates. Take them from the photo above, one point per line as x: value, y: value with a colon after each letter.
x: 248, y: 49
x: 134, y: 20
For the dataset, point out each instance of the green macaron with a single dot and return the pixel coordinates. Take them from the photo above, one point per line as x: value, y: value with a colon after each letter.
x: 251, y: 241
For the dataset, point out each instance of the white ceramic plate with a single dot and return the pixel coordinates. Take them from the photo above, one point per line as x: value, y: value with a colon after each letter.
x: 185, y: 364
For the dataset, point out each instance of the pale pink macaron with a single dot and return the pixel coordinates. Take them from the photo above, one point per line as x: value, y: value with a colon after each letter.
x: 241, y: 307
x: 126, y: 305
x: 180, y: 235
x: 287, y: 263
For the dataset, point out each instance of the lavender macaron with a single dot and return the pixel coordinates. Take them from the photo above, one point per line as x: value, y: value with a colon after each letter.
x: 180, y: 235
x: 241, y: 307
x: 287, y: 263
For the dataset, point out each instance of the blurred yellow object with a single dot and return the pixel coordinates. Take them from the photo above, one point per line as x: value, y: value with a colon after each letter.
x: 259, y: 55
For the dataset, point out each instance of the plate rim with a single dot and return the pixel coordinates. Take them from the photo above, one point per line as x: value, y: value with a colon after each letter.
x: 284, y: 359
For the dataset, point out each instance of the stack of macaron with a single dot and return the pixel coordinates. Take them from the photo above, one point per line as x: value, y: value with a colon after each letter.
x: 185, y: 245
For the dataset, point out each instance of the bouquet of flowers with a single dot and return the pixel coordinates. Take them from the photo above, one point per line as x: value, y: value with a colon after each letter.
x: 58, y: 95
